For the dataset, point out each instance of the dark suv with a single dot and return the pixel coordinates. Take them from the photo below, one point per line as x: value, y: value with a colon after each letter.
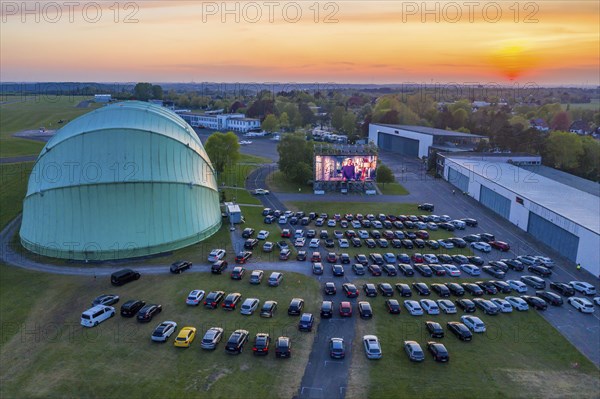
x: 296, y: 306
x: 235, y: 344
x: 124, y: 276
x: 283, y: 347
x: 218, y: 266
x: 130, y: 308
x: 213, y: 299
x: 426, y: 207
x: 180, y: 266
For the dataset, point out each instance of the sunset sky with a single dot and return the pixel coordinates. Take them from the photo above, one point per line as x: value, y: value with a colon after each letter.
x: 547, y: 42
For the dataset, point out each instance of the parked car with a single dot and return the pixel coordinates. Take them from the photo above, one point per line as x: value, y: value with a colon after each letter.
x: 424, y: 270
x: 275, y: 279
x: 473, y: 323
x: 262, y: 342
x: 562, y: 288
x: 513, y: 264
x: 534, y: 281
x: 406, y: 269
x: 213, y: 299
x: 163, y: 331
x: 467, y: 305
x: 473, y: 289
x: 455, y: 288
x: 413, y: 307
x: 180, y: 266
x: 132, y: 307
x: 492, y: 271
x: 460, y: 330
x: 539, y: 270
x: 500, y: 245
x: 193, y: 299
x: 429, y: 306
x: 481, y: 246
x: 550, y: 297
x: 503, y: 305
x: 306, y: 322
x: 446, y: 306
x: 364, y: 310
x: 249, y: 306
x: 236, y: 341
x: 231, y: 301
x: 216, y: 254
x: 296, y: 306
x: 106, y: 300
x: 372, y: 347
x: 421, y: 288
x: 243, y: 257
x: 185, y: 337
x: 336, y: 348
x: 439, y: 352
x: 487, y: 306
x: 535, y: 302
x: 238, y: 273
x: 345, y: 309
x: 441, y: 290
x: 148, y: 312
x: 434, y: 329
x: 517, y: 303
x: 414, y: 351
x: 327, y: 309
x: 583, y: 305
x: 283, y: 347
x: 517, y: 285
x: 392, y: 306
x: 385, y: 289
x: 583, y: 287
x: 329, y: 288
x: 470, y: 269
x: 451, y: 270
x: 350, y: 290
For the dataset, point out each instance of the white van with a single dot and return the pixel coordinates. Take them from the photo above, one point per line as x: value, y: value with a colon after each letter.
x: 96, y: 315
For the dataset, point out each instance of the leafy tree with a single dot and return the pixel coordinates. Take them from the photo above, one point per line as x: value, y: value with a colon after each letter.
x: 223, y: 149
x: 590, y: 160
x: 260, y: 108
x: 349, y: 124
x: 270, y: 123
x: 143, y: 91
x: 296, y: 158
x: 308, y: 118
x: 384, y: 175
x: 337, y: 117
x: 563, y: 150
x: 284, y: 121
x: 561, y: 121
x: 459, y: 118
x: 157, y: 92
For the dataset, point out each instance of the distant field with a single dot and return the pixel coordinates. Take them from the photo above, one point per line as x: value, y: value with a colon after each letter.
x: 278, y: 182
x: 29, y: 113
x: 520, y: 356
x: 593, y: 105
x: 118, y: 359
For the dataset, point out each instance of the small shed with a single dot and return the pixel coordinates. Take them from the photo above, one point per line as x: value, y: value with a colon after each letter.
x: 233, y: 212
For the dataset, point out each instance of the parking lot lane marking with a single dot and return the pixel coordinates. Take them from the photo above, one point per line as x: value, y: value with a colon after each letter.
x: 334, y: 362
x: 310, y: 388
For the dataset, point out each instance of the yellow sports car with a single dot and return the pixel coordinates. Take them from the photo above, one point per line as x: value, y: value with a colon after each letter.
x: 185, y: 337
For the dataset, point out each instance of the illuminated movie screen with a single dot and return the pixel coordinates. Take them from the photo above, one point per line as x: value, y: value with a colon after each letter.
x: 345, y: 167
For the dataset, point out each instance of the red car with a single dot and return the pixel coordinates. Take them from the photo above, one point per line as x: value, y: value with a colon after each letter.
x: 316, y: 257
x: 501, y: 245
x: 286, y: 233
x: 345, y: 309
x: 417, y: 258
x: 331, y: 257
x: 375, y: 270
x: 422, y: 234
x: 350, y: 290
x: 243, y: 257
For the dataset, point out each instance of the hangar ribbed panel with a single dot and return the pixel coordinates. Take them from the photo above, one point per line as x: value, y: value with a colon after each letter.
x: 458, y: 179
x: 496, y: 202
x: 399, y: 145
x: 554, y: 236
x: 119, y: 192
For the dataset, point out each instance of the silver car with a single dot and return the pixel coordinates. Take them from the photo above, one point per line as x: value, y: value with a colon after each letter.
x: 372, y: 347
x: 211, y: 338
x: 249, y: 306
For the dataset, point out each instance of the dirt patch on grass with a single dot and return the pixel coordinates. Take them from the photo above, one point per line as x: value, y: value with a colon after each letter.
x: 358, y: 378
x: 214, y: 377
x: 555, y: 384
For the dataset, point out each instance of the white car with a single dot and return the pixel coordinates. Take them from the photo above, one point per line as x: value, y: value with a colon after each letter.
x: 470, y: 269
x: 331, y: 223
x: 447, y: 306
x: 282, y: 220
x: 413, y: 307
x: 300, y: 242
x: 430, y: 306
x: 343, y: 243
x: 195, y: 297
x: 421, y: 225
x: 389, y: 257
x: 518, y: 286
x: 372, y: 347
x: 432, y: 226
x: 458, y: 224
x: 451, y: 270
x: 298, y: 233
x: 431, y: 258
x: 163, y: 331
x: 356, y: 224
x: 249, y: 306
x: 445, y: 218
x: 583, y: 287
x: 435, y: 219
x: 582, y: 304
x: 261, y: 191
x: 527, y: 259
x: 377, y: 224
x: 314, y: 243
x: 544, y: 260
x: 262, y: 235
x: 363, y: 234
x: 481, y: 246
x: 517, y: 303
x: 597, y: 300
x: 216, y: 254
x: 473, y: 323
x: 445, y: 243
x: 503, y: 304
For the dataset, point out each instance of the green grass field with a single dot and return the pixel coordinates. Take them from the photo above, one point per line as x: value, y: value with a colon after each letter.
x: 277, y: 182
x: 520, y: 356
x: 31, y: 114
x: 51, y: 355
x: 392, y: 189
x: 13, y: 180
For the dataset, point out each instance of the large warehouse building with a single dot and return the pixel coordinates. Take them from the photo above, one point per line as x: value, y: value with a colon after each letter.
x: 127, y: 180
x: 420, y: 141
x: 561, y: 214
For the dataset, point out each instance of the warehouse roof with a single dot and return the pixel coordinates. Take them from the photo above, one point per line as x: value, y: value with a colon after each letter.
x: 576, y: 205
x: 430, y: 130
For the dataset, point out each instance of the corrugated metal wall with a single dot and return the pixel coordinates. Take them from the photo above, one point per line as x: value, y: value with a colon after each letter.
x: 496, y: 202
x: 399, y: 145
x: 554, y: 236
x: 458, y: 179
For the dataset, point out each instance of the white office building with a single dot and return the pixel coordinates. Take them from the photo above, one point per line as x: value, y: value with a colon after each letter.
x: 234, y: 122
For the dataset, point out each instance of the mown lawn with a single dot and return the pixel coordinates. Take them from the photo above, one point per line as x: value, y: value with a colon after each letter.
x: 392, y: 189
x: 46, y: 353
x: 33, y: 113
x: 13, y: 180
x: 279, y: 183
x: 520, y: 356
